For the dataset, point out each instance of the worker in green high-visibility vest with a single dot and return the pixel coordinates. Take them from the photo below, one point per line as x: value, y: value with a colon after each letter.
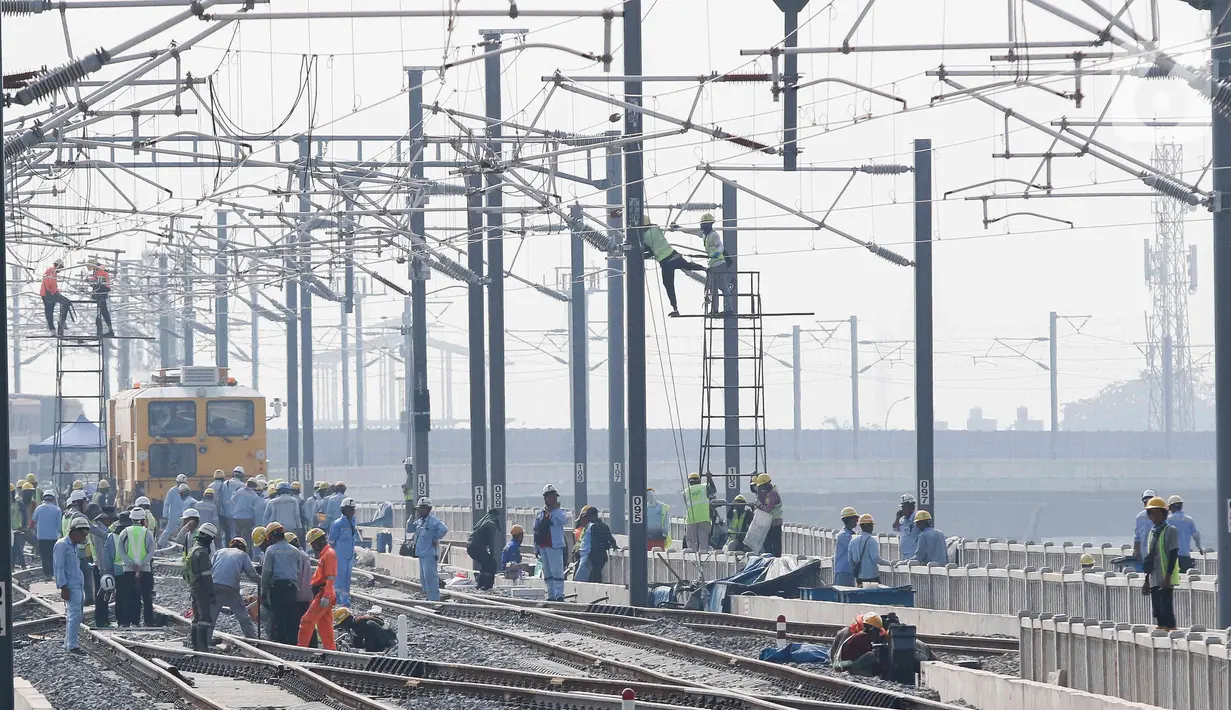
x: 656, y: 246
x: 697, y: 498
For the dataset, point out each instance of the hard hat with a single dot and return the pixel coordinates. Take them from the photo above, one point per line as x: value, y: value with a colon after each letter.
x: 27, y: 486
x: 922, y: 515
x: 348, y: 502
x: 740, y: 499
x: 866, y: 519
x: 136, y: 514
x: 79, y: 523
x: 322, y: 485
x: 296, y: 486
x: 907, y: 498
x: 762, y: 479
x: 1148, y: 494
x: 208, y: 530
x: 181, y: 478
x: 874, y: 620
x: 31, y: 477
x: 274, y: 527
x: 190, y: 514
x: 1174, y: 500
x: 218, y: 474
x: 49, y: 494
x: 237, y: 471
x: 340, y: 614
x: 1087, y: 559
x: 279, y: 481
x: 259, y: 536
x: 209, y: 492
x: 315, y: 534
x: 284, y: 488
x: 550, y: 489
x: 707, y: 217
x: 183, y: 488
x: 142, y: 501
x: 251, y: 483
x: 79, y: 485
x: 517, y: 530
x: 424, y: 502
x: 584, y: 509
x: 76, y: 496
x: 108, y: 583
x: 271, y: 488
x: 104, y: 483
x: 849, y: 512
x: 292, y: 538
x: 238, y: 543
x: 340, y: 484
x: 1156, y: 503
x: 694, y: 476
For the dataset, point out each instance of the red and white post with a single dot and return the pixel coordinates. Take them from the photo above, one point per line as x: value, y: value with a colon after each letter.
x: 628, y: 700
x: 781, y: 628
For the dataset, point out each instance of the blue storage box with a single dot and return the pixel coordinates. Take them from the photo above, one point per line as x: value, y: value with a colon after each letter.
x: 879, y: 596
x: 818, y: 594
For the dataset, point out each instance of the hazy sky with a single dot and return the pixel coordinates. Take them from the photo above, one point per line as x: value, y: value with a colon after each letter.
x: 996, y: 282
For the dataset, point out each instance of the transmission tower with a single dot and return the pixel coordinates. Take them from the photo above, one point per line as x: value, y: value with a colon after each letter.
x: 1171, y: 275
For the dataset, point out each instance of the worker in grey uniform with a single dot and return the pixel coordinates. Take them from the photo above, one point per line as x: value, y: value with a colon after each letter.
x: 280, y: 583
x: 230, y: 566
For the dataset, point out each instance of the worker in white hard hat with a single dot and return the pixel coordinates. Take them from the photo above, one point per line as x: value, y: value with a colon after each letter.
x: 931, y: 548
x: 76, y: 508
x: 549, y: 542
x: 46, y: 520
x: 172, y: 507
x: 655, y: 246
x: 428, y: 530
x: 69, y: 579
x: 136, y: 545
x: 1141, y: 526
x: 199, y: 573
x: 1186, y: 528
x: 720, y: 276
x: 697, y: 497
x: 843, y: 572
x: 904, y: 524
x: 865, y: 552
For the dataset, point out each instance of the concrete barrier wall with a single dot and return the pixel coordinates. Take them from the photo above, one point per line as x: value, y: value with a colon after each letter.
x: 991, y: 691
x: 1182, y: 670
x: 928, y: 621
x: 995, y: 584
x: 25, y: 697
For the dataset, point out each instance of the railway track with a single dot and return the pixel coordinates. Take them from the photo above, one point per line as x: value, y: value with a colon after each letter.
x: 716, y: 622
x: 674, y: 661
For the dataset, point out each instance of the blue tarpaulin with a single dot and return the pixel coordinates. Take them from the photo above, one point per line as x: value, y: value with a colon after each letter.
x: 80, y: 436
x: 797, y: 653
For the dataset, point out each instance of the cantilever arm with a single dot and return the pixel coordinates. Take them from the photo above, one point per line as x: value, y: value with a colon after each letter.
x: 990, y: 182
x: 853, y: 85
x: 993, y: 220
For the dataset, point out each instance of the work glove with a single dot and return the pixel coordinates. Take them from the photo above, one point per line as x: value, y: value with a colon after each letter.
x: 324, y: 602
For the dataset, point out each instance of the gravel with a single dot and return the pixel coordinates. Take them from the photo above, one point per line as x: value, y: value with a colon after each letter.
x: 1006, y: 664
x: 435, y: 701
x: 71, y: 681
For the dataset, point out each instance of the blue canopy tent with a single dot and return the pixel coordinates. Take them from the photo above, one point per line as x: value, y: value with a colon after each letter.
x: 81, y: 436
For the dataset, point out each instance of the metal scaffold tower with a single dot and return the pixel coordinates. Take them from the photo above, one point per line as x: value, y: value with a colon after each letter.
x: 737, y: 382
x: 1171, y: 274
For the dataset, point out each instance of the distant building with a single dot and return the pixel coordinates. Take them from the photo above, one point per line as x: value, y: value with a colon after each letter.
x: 1025, y: 423
x: 977, y: 422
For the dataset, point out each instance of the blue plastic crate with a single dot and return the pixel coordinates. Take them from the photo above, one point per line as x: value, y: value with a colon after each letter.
x: 818, y: 594
x: 880, y: 596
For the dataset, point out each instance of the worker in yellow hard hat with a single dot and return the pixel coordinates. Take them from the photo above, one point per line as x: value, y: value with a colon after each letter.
x: 654, y: 245
x: 697, y: 523
x: 843, y: 572
x: 856, y: 654
x: 1086, y: 562
x: 931, y: 547
x: 1161, y: 564
x: 769, y: 501
x: 865, y: 552
x: 1186, y: 528
x: 720, y: 269
x: 739, y: 517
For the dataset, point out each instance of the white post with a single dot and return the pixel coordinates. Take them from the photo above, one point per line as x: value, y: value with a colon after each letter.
x: 781, y: 628
x: 403, y: 637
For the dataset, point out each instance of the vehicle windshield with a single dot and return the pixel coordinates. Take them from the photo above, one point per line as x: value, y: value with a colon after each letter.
x: 230, y: 418
x: 173, y: 418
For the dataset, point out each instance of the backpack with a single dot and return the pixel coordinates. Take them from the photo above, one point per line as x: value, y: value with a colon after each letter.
x: 542, y: 531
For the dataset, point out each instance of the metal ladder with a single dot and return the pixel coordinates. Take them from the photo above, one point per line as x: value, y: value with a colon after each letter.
x: 83, y: 358
x: 733, y: 370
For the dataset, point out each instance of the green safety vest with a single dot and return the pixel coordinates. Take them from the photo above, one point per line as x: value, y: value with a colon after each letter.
x: 15, y: 515
x: 137, y: 536
x: 657, y: 243
x: 1162, y: 557
x: 737, y: 526
x: 698, y: 504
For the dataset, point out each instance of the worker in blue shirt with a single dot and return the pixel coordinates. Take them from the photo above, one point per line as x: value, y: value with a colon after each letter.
x: 244, y: 506
x: 47, y: 519
x: 511, y: 555
x: 865, y: 552
x: 343, y: 536
x: 428, y: 531
x: 1142, y: 526
x: 1186, y: 528
x: 843, y: 575
x: 69, y: 579
x: 908, y: 532
x: 172, y: 509
x: 333, y: 505
x: 229, y: 566
x: 932, y: 548
x: 549, y: 542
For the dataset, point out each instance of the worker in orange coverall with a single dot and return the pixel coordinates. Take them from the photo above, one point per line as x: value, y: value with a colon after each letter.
x: 320, y: 614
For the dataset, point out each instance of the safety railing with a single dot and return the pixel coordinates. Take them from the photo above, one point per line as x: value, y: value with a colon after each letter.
x: 1182, y: 670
